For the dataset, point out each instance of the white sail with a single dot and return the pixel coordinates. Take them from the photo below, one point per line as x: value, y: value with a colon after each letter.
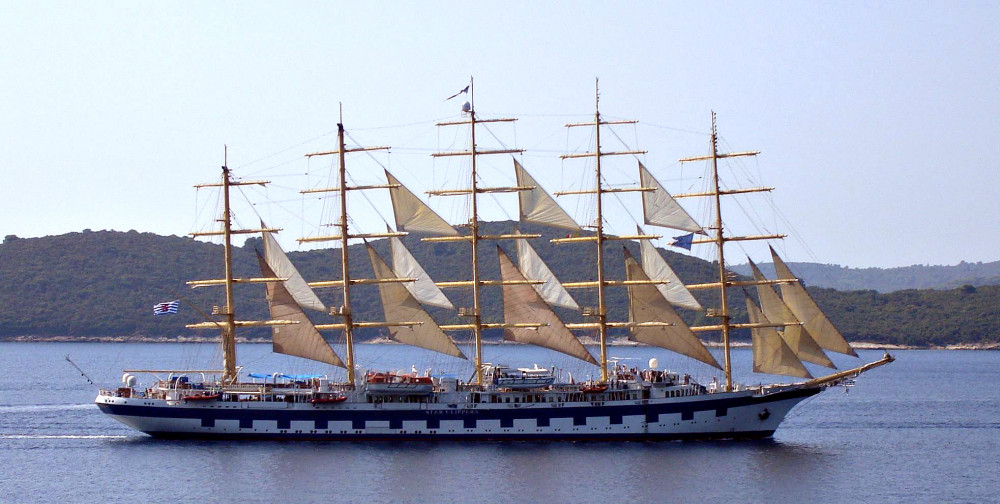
x: 531, y: 264
x: 647, y: 304
x: 537, y: 206
x: 657, y: 268
x: 771, y: 355
x: 400, y: 306
x: 805, y: 309
x: 283, y: 268
x: 797, y: 336
x: 412, y: 214
x: 404, y: 265
x: 523, y: 304
x: 302, y: 339
x: 659, y: 208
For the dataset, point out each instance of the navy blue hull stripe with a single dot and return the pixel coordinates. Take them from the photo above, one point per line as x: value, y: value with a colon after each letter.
x: 742, y: 435
x: 395, y: 418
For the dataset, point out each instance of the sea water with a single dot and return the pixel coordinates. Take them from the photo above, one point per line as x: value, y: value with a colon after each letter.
x: 925, y: 428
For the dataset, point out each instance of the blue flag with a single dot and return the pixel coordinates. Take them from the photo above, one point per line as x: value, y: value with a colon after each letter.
x: 683, y: 241
x: 466, y: 90
x: 168, y: 308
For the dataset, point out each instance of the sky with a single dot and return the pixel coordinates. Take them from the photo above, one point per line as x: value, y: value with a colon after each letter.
x: 878, y: 123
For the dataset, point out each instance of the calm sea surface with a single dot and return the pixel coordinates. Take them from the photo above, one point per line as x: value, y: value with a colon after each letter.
x: 923, y: 429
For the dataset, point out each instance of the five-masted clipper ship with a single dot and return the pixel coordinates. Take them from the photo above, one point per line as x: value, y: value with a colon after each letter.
x: 497, y: 402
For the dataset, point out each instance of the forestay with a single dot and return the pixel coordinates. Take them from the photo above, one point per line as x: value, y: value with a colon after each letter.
x: 771, y: 355
x: 404, y: 265
x: 400, y: 306
x: 647, y: 304
x: 523, y: 304
x: 282, y: 267
x: 412, y: 214
x: 302, y: 339
x: 659, y: 208
x: 537, y: 206
x: 796, y: 335
x: 657, y: 268
x: 805, y: 309
x: 534, y: 268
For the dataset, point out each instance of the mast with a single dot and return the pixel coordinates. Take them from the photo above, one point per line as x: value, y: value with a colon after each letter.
x: 477, y: 314
x: 474, y: 237
x: 602, y: 315
x: 720, y: 242
x: 345, y: 312
x: 229, y: 330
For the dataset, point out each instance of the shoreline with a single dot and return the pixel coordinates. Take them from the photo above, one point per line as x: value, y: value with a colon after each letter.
x: 617, y: 342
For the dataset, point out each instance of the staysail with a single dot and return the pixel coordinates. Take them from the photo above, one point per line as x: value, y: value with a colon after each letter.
x: 647, y: 304
x: 533, y: 267
x: 659, y: 208
x: 302, y: 339
x: 400, y: 306
x: 404, y: 265
x: 771, y: 355
x: 654, y: 265
x: 537, y: 206
x: 805, y: 309
x: 412, y: 214
x: 523, y: 304
x: 283, y: 268
x: 797, y: 336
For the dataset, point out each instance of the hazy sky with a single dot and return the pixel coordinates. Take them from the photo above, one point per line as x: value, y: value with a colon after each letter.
x: 877, y: 122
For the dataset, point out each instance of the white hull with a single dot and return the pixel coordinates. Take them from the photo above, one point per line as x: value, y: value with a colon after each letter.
x: 707, y: 416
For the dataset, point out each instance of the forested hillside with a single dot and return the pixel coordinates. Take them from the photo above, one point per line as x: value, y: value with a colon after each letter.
x: 889, y: 279
x: 105, y: 283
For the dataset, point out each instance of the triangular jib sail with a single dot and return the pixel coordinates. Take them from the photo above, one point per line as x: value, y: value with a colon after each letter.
x: 404, y: 265
x: 412, y: 214
x: 283, y: 268
x: 659, y: 208
x: 771, y: 355
x: 796, y: 335
x: 302, y: 339
x: 400, y: 306
x: 805, y: 309
x: 531, y: 264
x: 647, y: 304
x: 656, y: 267
x: 523, y: 304
x: 537, y: 206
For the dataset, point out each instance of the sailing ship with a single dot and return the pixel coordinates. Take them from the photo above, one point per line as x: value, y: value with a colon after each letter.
x: 497, y: 402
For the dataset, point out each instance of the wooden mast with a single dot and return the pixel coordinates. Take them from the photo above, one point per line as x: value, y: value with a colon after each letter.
x: 475, y: 237
x: 602, y: 315
x: 720, y: 242
x: 345, y: 310
x: 229, y: 330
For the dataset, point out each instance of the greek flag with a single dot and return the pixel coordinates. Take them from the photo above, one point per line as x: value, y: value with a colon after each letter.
x: 168, y: 308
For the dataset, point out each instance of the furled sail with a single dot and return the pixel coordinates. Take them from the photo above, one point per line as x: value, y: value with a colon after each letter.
x: 531, y: 264
x: 771, y: 355
x: 283, y: 268
x: 647, y: 304
x: 654, y: 265
x: 805, y: 309
x: 537, y: 206
x: 797, y: 336
x: 659, y: 208
x: 302, y: 339
x: 523, y: 304
x: 412, y: 214
x: 404, y: 265
x: 400, y: 306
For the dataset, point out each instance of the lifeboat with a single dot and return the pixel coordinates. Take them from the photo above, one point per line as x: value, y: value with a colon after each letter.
x: 593, y: 388
x: 202, y: 397
x: 328, y: 399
